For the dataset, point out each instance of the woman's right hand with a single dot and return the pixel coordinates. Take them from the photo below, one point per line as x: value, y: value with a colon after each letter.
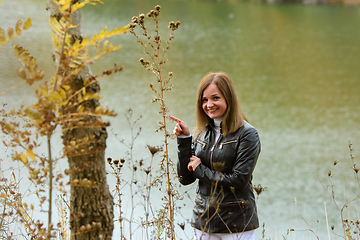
x: 180, y: 129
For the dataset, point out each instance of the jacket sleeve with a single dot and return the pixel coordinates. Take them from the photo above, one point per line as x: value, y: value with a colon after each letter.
x: 184, y: 154
x: 247, y: 154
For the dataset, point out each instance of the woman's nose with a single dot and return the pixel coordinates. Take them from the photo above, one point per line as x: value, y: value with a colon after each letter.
x: 210, y: 103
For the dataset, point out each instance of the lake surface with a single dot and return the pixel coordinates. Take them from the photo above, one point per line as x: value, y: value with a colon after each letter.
x: 296, y: 70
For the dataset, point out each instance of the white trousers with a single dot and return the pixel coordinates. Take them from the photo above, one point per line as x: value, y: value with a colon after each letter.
x: 199, y: 235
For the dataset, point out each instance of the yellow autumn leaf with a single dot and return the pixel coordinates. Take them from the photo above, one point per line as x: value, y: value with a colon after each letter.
x: 62, y: 93
x: 23, y: 158
x: 16, y: 51
x: 10, y: 32
x: 4, y: 195
x: 32, y: 114
x: 30, y: 154
x: 55, y: 96
x: 21, y: 73
x: 44, y: 91
x: 64, y: 2
x: 77, y: 6
x: 85, y: 41
x: 27, y: 24
x: 81, y: 108
x: 63, y: 103
x: 66, y: 87
x: 2, y: 32
x: 17, y: 27
x: 3, y: 40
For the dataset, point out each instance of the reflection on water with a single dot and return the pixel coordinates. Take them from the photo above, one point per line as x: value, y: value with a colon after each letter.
x: 295, y: 67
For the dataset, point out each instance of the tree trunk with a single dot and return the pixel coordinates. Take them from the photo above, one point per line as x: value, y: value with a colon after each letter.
x: 91, y: 204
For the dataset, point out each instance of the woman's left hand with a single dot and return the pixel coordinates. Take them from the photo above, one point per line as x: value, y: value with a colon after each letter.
x: 194, y: 162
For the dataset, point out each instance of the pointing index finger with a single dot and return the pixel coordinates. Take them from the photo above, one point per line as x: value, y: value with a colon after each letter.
x: 174, y: 118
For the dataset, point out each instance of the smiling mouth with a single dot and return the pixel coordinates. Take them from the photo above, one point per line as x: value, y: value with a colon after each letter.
x: 212, y: 110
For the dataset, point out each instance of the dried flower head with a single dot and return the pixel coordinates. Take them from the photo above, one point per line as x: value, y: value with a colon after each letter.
x: 132, y: 25
x: 174, y: 26
x: 156, y: 38
x: 258, y: 189
x: 143, y: 62
x: 154, y: 150
x: 151, y: 13
x: 134, y: 19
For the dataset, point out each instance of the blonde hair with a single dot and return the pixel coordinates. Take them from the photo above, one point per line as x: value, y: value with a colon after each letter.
x: 233, y: 117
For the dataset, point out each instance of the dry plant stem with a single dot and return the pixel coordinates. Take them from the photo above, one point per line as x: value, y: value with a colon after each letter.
x: 147, y: 206
x: 117, y: 173
x: 118, y: 183
x: 120, y: 218
x: 50, y: 185
x: 133, y: 138
x: 155, y: 67
x: 340, y: 210
x: 170, y: 199
x: 310, y: 229
x: 327, y: 221
x: 132, y: 180
x: 1, y: 163
x: 354, y: 165
x: 8, y: 90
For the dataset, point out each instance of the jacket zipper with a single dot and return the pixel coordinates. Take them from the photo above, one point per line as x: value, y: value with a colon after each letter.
x: 222, y: 144
x: 212, y: 150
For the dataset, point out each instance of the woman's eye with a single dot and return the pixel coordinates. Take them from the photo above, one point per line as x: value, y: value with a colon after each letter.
x: 204, y: 100
x: 216, y: 98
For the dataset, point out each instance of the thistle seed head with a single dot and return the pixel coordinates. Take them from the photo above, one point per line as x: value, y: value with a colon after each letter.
x: 134, y: 19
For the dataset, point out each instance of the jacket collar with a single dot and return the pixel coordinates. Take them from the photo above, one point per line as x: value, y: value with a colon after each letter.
x: 211, y: 125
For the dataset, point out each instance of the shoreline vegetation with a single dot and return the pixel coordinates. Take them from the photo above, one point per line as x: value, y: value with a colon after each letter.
x: 319, y: 2
x: 69, y: 104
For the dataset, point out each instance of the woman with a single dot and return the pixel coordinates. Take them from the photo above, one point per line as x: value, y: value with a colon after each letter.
x: 222, y: 155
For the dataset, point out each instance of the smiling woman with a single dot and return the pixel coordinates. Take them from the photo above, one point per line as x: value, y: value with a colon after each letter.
x: 222, y: 157
x: 213, y: 101
x: 217, y: 99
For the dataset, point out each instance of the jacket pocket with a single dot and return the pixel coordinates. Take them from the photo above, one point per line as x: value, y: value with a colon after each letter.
x: 203, y: 144
x: 224, y: 143
x: 240, y: 204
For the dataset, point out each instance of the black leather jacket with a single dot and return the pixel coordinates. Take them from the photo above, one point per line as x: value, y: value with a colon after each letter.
x: 225, y: 201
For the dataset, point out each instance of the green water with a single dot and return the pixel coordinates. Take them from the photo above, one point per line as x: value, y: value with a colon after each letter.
x: 296, y: 70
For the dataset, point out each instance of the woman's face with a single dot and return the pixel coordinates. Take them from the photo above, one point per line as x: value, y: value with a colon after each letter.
x: 213, y: 101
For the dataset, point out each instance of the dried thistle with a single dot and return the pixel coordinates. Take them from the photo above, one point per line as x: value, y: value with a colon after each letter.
x: 154, y: 150
x: 258, y: 189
